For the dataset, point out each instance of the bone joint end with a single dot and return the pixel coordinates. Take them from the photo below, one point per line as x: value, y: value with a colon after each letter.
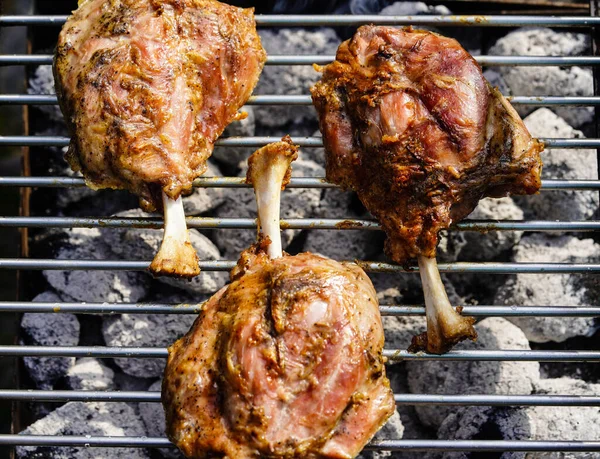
x: 445, y: 326
x: 269, y: 171
x: 176, y: 256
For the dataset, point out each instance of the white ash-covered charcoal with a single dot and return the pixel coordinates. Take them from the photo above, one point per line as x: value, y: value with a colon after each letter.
x: 342, y: 244
x: 562, y: 164
x: 153, y: 330
x: 494, y: 78
x: 490, y: 244
x: 153, y: 416
x: 576, y: 423
x: 204, y: 199
x: 77, y: 201
x: 125, y: 382
x: 100, y: 419
x: 142, y: 244
x: 411, y: 9
x: 49, y: 330
x: 90, y: 374
x: 542, y: 423
x: 390, y: 7
x: 291, y: 79
x: 483, y: 423
x: 450, y: 245
x: 544, y: 81
x: 67, y: 196
x: 391, y: 430
x: 553, y: 289
x: 412, y: 426
x: 314, y: 154
x: 94, y: 286
x: 473, y: 377
x: 399, y: 330
x: 240, y: 203
x: 145, y: 330
x: 338, y: 203
x: 42, y: 83
x: 397, y: 374
x: 406, y: 288
x: 233, y: 156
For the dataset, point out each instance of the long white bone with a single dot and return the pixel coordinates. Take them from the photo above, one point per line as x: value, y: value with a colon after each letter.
x: 176, y: 256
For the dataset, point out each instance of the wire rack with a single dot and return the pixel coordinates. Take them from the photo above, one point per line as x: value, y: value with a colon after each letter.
x: 586, y: 23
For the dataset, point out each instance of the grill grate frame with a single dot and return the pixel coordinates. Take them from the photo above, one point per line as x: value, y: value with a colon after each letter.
x: 329, y: 224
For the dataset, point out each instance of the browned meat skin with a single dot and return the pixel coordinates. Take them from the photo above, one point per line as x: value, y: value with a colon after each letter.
x: 286, y: 361
x: 410, y: 123
x: 148, y: 86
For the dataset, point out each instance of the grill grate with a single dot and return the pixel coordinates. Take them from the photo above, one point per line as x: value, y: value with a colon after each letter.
x: 322, y: 224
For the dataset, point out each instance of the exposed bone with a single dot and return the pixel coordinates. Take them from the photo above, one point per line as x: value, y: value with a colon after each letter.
x: 445, y: 326
x: 269, y: 171
x: 176, y: 256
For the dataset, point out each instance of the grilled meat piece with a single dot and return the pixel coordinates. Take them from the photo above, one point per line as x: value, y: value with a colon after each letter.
x: 286, y: 361
x: 146, y: 88
x: 410, y: 123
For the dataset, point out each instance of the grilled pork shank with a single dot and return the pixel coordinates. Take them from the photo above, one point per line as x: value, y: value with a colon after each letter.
x: 147, y: 87
x: 410, y: 123
x: 286, y: 361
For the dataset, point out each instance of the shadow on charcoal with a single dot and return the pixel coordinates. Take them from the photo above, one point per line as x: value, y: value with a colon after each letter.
x: 579, y: 370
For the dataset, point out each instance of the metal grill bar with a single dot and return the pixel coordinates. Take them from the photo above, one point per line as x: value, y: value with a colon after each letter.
x: 385, y: 445
x: 490, y: 61
x: 386, y: 310
x: 494, y: 311
x: 256, y: 142
x: 369, y: 266
x: 393, y: 355
x: 579, y: 101
x: 401, y: 399
x: 292, y: 223
x: 357, y: 20
x: 50, y: 99
x: 240, y: 182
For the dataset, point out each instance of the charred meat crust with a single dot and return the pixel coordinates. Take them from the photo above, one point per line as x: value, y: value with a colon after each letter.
x: 411, y: 125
